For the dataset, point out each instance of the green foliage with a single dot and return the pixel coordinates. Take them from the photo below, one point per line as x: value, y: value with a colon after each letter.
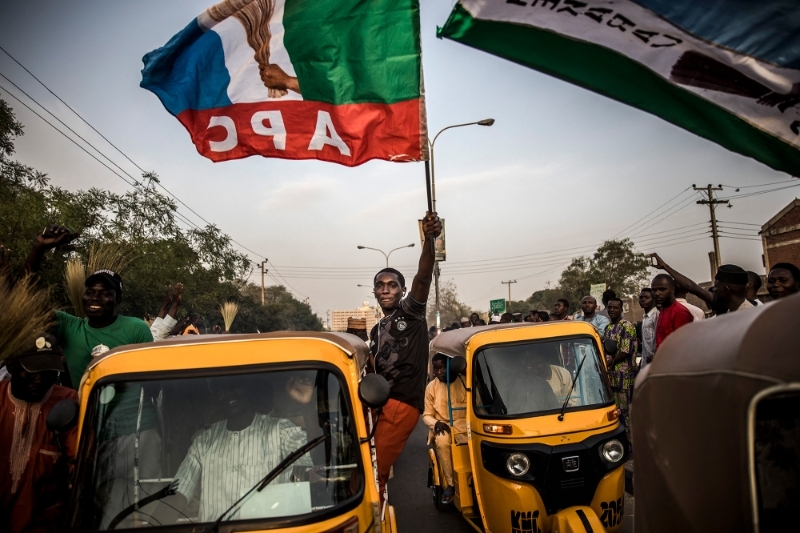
x: 545, y: 299
x: 615, y: 263
x: 450, y: 308
x: 145, y: 224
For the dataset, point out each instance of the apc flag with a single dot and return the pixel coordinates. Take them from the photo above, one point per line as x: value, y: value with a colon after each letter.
x: 335, y: 80
x: 726, y: 70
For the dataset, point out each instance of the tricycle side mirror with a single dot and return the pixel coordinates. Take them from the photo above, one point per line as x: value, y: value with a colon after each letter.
x: 374, y: 391
x: 457, y: 366
x: 610, y: 347
x: 63, y: 416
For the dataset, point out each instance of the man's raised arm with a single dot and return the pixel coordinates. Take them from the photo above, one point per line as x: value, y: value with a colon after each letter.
x: 50, y: 238
x: 683, y: 281
x: 421, y: 286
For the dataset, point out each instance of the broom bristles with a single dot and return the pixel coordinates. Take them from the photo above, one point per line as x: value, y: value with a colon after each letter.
x: 75, y: 279
x: 108, y: 256
x: 24, y: 313
x: 229, y: 311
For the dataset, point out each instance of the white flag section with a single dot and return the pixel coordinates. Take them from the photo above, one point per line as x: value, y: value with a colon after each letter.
x: 618, y: 47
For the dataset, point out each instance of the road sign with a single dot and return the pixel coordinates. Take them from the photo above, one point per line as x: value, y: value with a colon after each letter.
x: 597, y: 291
x: 497, y: 306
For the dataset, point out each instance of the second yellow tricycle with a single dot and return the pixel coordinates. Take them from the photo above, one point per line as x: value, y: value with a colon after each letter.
x: 544, y: 447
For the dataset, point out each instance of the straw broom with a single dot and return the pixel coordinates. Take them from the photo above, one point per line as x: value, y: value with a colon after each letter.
x: 228, y: 311
x: 24, y: 313
x: 75, y: 279
x: 108, y: 256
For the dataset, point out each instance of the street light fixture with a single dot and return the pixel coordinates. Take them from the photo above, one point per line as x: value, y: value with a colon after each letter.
x: 484, y: 122
x: 384, y: 253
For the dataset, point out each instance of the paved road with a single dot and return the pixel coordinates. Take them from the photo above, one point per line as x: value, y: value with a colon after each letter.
x: 411, y: 498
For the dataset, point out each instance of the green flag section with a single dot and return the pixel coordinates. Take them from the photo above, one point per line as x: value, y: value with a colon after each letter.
x: 335, y: 80
x: 734, y: 81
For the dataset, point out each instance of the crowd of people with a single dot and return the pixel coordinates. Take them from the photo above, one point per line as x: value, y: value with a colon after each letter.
x: 665, y: 309
x: 35, y: 462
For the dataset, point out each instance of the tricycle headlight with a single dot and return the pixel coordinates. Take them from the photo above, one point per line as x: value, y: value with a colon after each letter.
x: 612, y: 451
x: 518, y: 464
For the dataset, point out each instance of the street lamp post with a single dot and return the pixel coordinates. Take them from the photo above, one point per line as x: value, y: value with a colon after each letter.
x: 432, y: 198
x: 384, y: 253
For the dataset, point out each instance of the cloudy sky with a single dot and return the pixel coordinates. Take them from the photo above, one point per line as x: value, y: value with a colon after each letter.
x: 561, y: 170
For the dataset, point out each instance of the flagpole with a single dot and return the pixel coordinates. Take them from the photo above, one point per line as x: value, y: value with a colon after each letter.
x: 428, y: 184
x: 429, y: 189
x: 431, y: 186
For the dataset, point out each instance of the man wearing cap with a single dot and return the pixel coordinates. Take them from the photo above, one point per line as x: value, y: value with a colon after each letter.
x: 357, y: 327
x: 730, y: 289
x: 33, y: 472
x: 82, y: 339
x: 465, y: 323
x: 103, y: 329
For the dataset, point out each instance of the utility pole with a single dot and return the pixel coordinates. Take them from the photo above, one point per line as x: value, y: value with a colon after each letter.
x: 712, y: 206
x: 328, y: 319
x: 263, y: 272
x: 509, y: 282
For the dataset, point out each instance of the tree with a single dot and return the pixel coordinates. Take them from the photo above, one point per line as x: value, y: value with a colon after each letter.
x: 143, y: 223
x: 450, y: 308
x: 615, y: 263
x: 545, y: 299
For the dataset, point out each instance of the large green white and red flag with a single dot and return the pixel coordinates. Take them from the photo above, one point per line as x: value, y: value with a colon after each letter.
x: 727, y: 70
x: 335, y: 80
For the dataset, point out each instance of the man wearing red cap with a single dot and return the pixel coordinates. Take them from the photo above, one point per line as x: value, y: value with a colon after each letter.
x: 33, y: 471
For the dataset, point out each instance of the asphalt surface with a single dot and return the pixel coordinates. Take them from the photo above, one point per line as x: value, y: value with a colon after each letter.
x: 412, y: 501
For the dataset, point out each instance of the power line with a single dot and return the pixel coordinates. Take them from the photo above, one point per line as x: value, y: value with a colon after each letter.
x: 73, y: 141
x: 65, y: 135
x: 740, y: 223
x: 761, y: 185
x: 683, y: 242
x: 175, y: 197
x: 97, y: 132
x: 683, y: 204
x: 17, y: 87
x: 739, y: 238
x: 758, y: 193
x: 135, y: 181
x: 652, y: 212
x: 488, y: 265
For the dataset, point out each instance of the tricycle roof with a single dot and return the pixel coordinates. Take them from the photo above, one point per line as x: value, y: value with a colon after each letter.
x: 457, y: 342
x: 351, y: 345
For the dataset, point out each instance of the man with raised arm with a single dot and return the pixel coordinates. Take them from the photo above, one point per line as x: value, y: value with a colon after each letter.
x: 671, y: 314
x: 399, y: 344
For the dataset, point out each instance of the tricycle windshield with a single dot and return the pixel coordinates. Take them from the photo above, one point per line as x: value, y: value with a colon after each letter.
x: 533, y: 378
x: 182, y: 450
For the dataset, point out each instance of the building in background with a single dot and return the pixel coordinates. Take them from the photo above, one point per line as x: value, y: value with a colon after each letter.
x: 371, y: 313
x: 780, y: 237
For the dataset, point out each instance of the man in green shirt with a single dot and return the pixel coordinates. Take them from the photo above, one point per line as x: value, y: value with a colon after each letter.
x: 128, y: 418
x: 102, y: 329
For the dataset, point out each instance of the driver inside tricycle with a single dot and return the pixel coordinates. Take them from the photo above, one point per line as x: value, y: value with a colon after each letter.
x: 544, y: 448
x: 260, y: 445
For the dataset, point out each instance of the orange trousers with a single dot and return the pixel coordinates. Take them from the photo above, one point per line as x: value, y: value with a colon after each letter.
x: 395, y: 425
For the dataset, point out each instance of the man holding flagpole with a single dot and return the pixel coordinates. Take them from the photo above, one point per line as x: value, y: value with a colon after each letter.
x: 399, y: 344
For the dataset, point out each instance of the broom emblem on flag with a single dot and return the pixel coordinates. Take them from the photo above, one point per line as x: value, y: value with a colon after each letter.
x: 698, y: 70
x: 255, y: 15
